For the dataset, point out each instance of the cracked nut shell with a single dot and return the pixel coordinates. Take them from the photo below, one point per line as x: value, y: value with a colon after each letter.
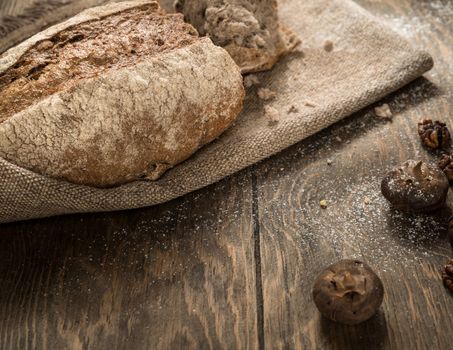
x: 435, y: 134
x: 415, y: 187
x: 348, y: 292
x: 447, y: 275
x: 446, y: 165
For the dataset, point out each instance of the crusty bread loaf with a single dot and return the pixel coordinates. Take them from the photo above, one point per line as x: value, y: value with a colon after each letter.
x: 117, y: 93
x: 248, y: 29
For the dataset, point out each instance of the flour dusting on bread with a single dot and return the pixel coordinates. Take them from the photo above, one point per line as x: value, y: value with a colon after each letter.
x: 248, y: 29
x: 92, y: 102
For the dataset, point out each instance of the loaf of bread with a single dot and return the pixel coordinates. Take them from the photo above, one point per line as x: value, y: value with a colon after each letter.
x: 118, y: 93
x: 248, y: 29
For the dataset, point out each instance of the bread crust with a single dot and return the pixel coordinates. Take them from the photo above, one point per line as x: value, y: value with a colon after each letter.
x: 248, y: 29
x: 125, y: 124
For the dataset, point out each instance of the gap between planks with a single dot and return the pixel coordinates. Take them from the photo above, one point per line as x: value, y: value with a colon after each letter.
x: 258, y: 277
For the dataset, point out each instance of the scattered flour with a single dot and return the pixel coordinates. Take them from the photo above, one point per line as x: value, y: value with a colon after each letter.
x: 368, y: 228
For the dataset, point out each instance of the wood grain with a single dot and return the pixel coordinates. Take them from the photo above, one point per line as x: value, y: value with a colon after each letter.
x: 299, y: 239
x: 177, y: 276
x: 232, y: 266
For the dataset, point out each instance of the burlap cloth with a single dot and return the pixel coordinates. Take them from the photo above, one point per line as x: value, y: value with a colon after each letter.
x: 368, y: 62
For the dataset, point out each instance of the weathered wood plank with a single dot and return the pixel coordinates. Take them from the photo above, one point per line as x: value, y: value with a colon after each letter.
x: 183, y: 274
x: 178, y: 276
x: 298, y: 238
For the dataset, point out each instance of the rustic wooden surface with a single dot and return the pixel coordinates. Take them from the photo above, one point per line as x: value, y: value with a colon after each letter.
x: 232, y: 266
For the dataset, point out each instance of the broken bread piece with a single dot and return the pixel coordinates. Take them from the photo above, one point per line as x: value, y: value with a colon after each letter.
x: 118, y: 93
x: 248, y: 29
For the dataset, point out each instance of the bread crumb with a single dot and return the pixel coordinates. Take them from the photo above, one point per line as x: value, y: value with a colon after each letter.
x: 384, y: 111
x: 366, y: 201
x: 329, y: 161
x: 323, y: 204
x: 299, y: 51
x: 272, y: 114
x: 309, y: 103
x: 328, y: 45
x: 251, y: 80
x: 293, y: 109
x: 266, y: 94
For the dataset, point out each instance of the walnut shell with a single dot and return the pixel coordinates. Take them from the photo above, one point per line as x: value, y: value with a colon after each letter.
x: 434, y: 135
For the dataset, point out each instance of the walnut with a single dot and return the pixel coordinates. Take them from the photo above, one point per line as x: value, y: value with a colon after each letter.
x: 434, y: 135
x: 446, y: 164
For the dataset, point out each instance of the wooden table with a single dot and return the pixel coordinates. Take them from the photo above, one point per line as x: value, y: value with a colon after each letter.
x: 232, y: 266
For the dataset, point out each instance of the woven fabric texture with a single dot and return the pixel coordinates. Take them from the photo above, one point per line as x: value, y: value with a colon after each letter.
x: 368, y: 62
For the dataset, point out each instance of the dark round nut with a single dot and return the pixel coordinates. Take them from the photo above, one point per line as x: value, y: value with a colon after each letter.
x: 434, y: 135
x: 446, y: 165
x: 415, y: 187
x: 348, y: 292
